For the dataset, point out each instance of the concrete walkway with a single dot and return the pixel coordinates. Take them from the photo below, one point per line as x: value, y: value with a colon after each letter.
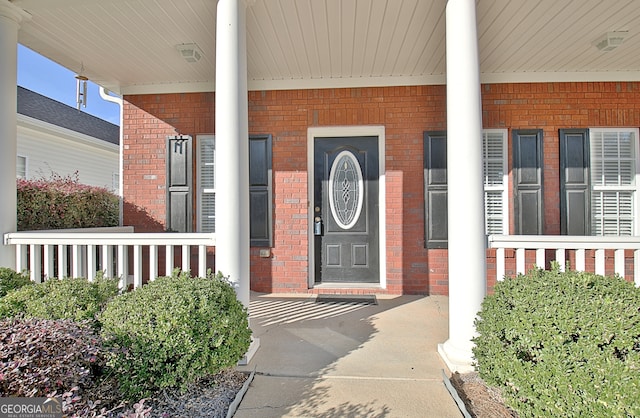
x: 348, y: 359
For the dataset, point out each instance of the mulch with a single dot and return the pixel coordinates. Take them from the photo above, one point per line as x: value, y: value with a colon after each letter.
x: 481, y: 400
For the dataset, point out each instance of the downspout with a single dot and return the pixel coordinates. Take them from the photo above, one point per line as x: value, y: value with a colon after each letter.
x: 104, y: 93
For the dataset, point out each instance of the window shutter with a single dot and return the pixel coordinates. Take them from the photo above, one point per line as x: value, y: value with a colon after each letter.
x: 206, y: 182
x: 179, y: 183
x: 575, y: 196
x: 528, y: 185
x: 435, y: 180
x: 260, y: 190
x: 494, y: 161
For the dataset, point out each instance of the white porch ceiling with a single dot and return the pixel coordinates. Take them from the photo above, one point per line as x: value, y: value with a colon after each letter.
x: 129, y: 46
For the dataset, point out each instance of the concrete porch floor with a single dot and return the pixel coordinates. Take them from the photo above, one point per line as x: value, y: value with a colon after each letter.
x: 348, y: 359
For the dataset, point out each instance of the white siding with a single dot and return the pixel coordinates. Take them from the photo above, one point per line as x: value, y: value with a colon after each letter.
x: 51, y: 149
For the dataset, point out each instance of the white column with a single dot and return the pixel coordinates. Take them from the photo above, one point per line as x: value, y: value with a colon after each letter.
x: 467, y: 245
x: 10, y: 19
x: 232, y: 147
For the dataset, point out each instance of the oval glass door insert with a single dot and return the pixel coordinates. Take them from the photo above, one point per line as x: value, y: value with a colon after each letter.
x: 345, y: 190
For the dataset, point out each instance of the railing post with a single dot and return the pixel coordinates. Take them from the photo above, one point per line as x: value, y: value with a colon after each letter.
x: 541, y: 258
x: 107, y: 260
x: 580, y: 259
x: 520, y: 260
x: 636, y: 267
x: 75, y: 255
x: 560, y: 258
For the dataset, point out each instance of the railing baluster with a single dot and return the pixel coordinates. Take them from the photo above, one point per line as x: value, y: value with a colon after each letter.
x: 202, y: 260
x: 186, y: 258
x: 520, y: 260
x: 137, y: 266
x: 168, y: 252
x: 21, y: 257
x: 62, y: 261
x: 107, y: 260
x: 580, y: 259
x: 75, y: 255
x: 122, y: 266
x: 91, y: 262
x: 636, y: 267
x: 619, y: 262
x: 600, y: 267
x: 34, y: 263
x: 560, y: 258
x: 541, y: 258
x: 48, y: 262
x: 153, y: 262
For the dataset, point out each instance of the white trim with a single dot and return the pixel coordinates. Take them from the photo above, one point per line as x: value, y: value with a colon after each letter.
x: 26, y: 166
x: 397, y: 81
x: 349, y: 131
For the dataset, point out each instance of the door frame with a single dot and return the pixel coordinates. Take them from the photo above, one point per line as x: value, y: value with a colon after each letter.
x: 339, y: 132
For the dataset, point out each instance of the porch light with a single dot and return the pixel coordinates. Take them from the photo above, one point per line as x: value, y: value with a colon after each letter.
x: 610, y: 40
x: 81, y: 89
x: 190, y: 52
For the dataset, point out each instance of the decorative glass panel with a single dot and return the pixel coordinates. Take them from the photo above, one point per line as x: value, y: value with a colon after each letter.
x: 345, y: 190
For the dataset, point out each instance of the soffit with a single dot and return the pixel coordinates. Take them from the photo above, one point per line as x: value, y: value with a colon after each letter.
x: 129, y: 46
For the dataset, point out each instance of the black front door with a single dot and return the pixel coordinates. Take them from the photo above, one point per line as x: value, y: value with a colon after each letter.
x: 345, y: 209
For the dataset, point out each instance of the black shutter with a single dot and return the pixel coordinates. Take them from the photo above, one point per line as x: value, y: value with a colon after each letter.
x: 260, y: 190
x: 575, y: 196
x: 179, y: 183
x: 435, y: 193
x: 527, y: 178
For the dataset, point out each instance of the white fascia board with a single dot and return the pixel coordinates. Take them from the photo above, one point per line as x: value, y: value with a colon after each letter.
x: 559, y: 77
x: 37, y: 125
x: 356, y: 82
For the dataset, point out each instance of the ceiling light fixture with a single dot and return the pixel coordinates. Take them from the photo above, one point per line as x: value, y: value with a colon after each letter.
x: 190, y: 52
x: 610, y: 40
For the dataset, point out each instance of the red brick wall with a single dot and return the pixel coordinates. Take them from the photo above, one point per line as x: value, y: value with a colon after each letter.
x: 405, y: 112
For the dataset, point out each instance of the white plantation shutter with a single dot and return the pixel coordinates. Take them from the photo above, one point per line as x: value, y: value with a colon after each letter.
x: 613, y: 179
x: 495, y: 180
x: 206, y: 183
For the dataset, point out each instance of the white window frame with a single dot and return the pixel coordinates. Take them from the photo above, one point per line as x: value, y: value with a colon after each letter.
x: 503, y: 188
x: 634, y: 188
x: 201, y: 190
x: 26, y: 170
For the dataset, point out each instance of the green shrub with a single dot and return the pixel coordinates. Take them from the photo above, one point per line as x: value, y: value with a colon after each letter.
x: 562, y: 344
x: 62, y: 202
x: 173, y: 331
x: 76, y: 299
x: 12, y: 280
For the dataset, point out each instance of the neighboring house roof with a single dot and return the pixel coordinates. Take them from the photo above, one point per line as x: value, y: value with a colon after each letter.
x: 48, y: 110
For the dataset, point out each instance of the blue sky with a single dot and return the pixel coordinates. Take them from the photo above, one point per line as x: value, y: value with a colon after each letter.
x: 44, y: 76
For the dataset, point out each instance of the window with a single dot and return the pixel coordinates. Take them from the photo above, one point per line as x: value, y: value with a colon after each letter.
x: 494, y: 149
x: 260, y: 200
x: 21, y: 167
x: 599, y: 186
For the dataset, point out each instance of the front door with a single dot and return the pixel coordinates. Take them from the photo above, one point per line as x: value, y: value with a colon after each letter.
x: 345, y: 209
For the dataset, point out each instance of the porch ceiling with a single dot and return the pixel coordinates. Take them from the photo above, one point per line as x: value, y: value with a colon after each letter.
x: 129, y: 46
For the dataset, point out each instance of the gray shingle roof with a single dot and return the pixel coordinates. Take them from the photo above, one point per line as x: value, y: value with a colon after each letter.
x: 48, y: 110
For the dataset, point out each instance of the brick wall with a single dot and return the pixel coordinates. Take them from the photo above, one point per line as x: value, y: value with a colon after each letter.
x: 405, y: 112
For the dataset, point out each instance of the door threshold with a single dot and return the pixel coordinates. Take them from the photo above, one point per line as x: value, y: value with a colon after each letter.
x: 347, y: 285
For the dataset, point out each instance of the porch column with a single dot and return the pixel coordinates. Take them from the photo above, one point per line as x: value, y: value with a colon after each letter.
x: 467, y: 246
x: 232, y: 146
x: 10, y: 19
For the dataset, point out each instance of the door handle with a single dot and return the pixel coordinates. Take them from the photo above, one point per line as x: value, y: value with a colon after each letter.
x: 317, y: 226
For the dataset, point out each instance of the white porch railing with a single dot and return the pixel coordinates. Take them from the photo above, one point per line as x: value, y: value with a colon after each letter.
x: 84, y: 252
x: 563, y: 244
